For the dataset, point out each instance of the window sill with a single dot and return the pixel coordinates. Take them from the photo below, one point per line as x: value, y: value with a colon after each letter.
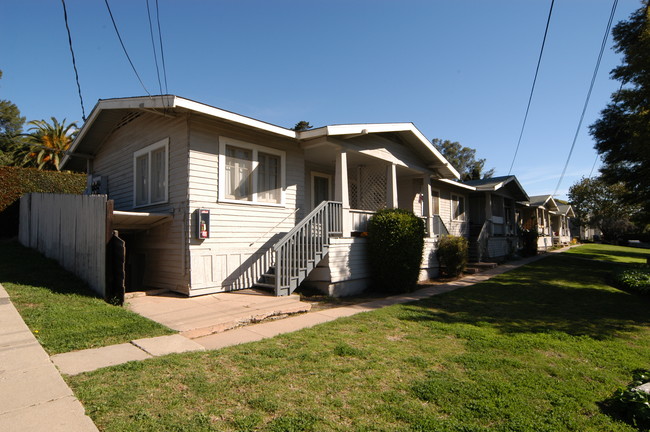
x: 251, y: 203
x: 139, y: 206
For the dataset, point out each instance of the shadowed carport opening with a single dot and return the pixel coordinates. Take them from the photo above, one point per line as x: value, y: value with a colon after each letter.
x: 126, y: 268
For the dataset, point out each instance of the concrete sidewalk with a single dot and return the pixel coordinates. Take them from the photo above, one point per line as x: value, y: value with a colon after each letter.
x: 76, y: 362
x: 33, y: 396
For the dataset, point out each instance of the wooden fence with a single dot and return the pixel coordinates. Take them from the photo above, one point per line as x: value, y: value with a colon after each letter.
x: 71, y: 229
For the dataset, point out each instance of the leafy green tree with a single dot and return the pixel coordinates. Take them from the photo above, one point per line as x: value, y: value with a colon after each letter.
x: 622, y: 134
x: 11, y: 126
x: 599, y: 204
x: 463, y: 159
x: 302, y: 125
x: 48, y: 143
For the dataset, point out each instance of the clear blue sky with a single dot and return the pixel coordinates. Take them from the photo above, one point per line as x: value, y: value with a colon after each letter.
x: 460, y: 70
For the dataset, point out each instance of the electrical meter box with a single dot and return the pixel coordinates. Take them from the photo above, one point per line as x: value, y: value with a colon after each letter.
x: 202, y: 223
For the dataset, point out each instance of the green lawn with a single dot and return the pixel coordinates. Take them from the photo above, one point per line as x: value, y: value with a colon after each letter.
x: 64, y: 314
x: 536, y: 349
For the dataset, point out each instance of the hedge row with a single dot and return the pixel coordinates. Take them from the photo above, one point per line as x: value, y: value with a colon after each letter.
x: 14, y: 182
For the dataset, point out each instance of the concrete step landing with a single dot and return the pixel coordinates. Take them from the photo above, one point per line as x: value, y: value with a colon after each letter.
x: 200, y: 316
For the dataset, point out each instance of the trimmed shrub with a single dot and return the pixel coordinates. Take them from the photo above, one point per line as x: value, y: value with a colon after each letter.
x: 630, y: 405
x: 452, y: 254
x: 14, y: 182
x: 395, y: 244
x: 529, y: 240
x: 634, y: 279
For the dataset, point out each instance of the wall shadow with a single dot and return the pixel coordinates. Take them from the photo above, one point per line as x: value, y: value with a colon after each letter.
x: 24, y: 266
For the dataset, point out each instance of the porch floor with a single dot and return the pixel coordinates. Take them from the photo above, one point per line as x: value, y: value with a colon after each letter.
x: 213, y: 313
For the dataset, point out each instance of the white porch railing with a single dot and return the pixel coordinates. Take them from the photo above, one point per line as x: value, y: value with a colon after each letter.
x: 360, y: 219
x: 299, y: 251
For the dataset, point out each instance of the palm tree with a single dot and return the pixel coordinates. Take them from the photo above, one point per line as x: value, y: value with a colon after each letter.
x: 48, y: 142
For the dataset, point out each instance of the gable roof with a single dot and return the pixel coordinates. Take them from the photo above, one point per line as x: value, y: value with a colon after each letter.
x: 566, y: 210
x: 406, y: 131
x: 110, y: 114
x: 495, y: 183
x: 542, y: 201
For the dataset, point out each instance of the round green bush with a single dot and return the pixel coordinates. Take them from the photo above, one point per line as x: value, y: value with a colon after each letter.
x: 634, y: 279
x: 452, y: 254
x: 395, y: 243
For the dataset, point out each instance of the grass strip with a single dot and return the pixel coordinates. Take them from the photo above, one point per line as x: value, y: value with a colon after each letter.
x: 535, y: 349
x: 64, y: 314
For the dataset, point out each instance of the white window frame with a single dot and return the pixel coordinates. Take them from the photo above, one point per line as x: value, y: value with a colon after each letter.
x: 223, y: 142
x: 164, y: 143
x: 456, y: 199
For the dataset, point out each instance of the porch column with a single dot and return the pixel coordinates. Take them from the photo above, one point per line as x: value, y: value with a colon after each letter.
x: 427, y: 205
x: 391, y: 187
x: 341, y: 190
x: 488, y: 211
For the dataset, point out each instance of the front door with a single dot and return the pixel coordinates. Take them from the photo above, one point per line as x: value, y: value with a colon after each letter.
x: 321, y: 186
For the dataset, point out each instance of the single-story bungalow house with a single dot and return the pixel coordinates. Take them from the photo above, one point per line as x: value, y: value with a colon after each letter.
x: 494, y: 233
x: 542, y: 212
x: 217, y: 201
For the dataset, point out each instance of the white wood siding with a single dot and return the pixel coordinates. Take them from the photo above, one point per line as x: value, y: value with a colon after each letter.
x: 430, y: 267
x: 455, y: 227
x: 164, y: 247
x: 239, y: 233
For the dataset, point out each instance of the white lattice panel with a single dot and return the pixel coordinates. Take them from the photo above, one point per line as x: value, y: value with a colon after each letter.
x: 371, y: 193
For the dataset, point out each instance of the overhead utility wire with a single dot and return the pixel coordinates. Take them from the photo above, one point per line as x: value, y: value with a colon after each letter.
x: 591, y: 86
x: 532, y: 89
x: 162, y: 52
x: 124, y: 48
x: 74, y: 63
x: 153, y: 44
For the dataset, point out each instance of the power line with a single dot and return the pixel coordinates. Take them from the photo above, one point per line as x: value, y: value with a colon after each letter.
x: 124, y: 48
x: 591, y: 86
x: 153, y: 44
x: 594, y: 165
x: 74, y: 63
x: 162, y: 52
x: 532, y: 89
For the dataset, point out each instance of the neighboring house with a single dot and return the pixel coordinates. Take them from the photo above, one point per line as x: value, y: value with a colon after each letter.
x: 539, y: 213
x: 592, y: 234
x: 217, y: 201
x: 493, y: 225
x: 561, y: 223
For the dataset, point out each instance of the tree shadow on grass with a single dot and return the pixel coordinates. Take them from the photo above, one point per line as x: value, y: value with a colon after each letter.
x: 607, y: 254
x: 23, y: 266
x: 557, y: 294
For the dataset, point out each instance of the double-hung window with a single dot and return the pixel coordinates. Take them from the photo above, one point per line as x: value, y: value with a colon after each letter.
x: 249, y: 173
x: 150, y: 173
x: 458, y: 207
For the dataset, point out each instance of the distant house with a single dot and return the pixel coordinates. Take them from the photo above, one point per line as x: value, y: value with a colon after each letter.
x: 549, y: 218
x: 207, y: 200
x: 561, y: 223
x: 493, y: 231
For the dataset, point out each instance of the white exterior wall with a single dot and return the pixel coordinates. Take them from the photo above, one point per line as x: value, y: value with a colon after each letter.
x: 455, y: 227
x: 499, y: 247
x: 240, y: 234
x: 165, y: 246
x: 430, y: 268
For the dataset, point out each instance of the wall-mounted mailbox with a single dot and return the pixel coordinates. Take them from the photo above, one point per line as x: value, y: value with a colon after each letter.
x: 202, y: 223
